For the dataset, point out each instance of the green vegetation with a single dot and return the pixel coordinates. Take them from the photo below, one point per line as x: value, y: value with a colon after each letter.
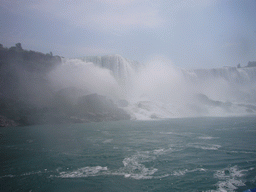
x: 22, y: 79
x: 29, y: 60
x: 250, y: 64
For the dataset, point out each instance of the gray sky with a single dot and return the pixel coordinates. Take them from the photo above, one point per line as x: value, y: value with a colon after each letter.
x: 189, y: 33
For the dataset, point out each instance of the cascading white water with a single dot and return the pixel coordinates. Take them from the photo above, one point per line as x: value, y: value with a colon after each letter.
x: 160, y: 90
x: 121, y: 68
x: 226, y: 84
x: 232, y: 75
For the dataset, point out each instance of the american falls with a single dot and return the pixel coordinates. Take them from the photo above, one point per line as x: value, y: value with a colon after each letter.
x: 157, y: 89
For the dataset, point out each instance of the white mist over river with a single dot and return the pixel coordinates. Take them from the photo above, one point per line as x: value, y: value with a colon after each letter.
x: 75, y: 117
x: 158, y: 89
x: 112, y: 153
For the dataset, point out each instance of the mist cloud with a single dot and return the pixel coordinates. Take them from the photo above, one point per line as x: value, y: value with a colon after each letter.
x: 84, y: 76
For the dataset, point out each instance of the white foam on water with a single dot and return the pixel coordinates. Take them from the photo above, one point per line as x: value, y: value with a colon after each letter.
x: 134, y: 168
x: 204, y: 146
x: 162, y: 151
x: 158, y: 151
x: 32, y: 173
x: 26, y: 174
x: 229, y: 185
x: 84, y: 172
x: 245, y: 152
x: 184, y: 171
x: 207, y: 138
x: 8, y: 176
x: 211, y: 147
x: 108, y: 141
x: 230, y: 179
x: 166, y: 133
x: 180, y: 172
x: 184, y: 134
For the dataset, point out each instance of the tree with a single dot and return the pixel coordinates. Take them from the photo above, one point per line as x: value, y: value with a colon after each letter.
x: 251, y: 64
x: 18, y: 46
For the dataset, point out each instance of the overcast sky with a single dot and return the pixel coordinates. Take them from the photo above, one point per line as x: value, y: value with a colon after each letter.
x: 190, y: 33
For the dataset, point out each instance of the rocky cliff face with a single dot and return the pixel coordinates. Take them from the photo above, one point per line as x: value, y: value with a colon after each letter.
x: 37, y: 88
x: 28, y: 97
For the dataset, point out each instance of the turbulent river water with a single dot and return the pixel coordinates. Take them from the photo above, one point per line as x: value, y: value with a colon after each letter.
x: 186, y: 154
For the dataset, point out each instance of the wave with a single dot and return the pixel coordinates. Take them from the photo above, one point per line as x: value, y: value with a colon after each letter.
x: 204, y: 146
x: 133, y: 167
x: 207, y: 137
x: 230, y: 178
x: 83, y: 172
x: 184, y: 171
